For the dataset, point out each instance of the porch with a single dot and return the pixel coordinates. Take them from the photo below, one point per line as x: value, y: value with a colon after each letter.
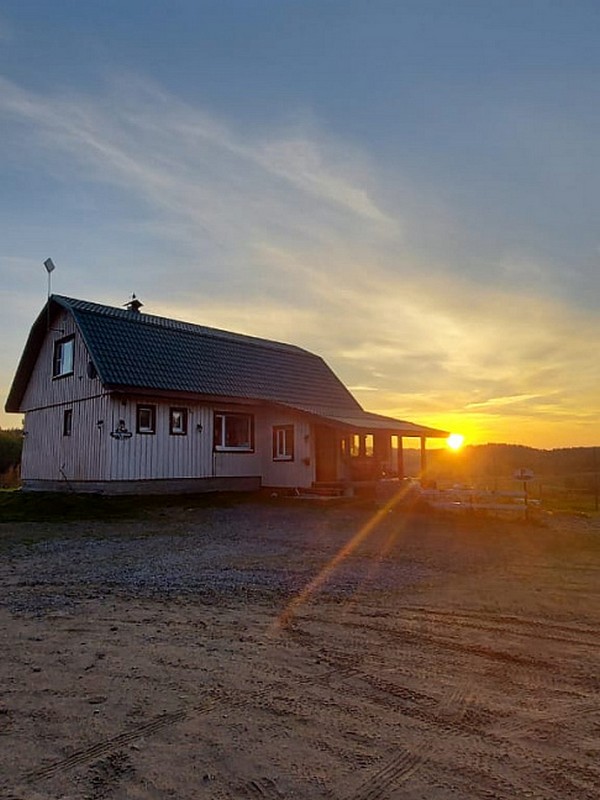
x: 363, y: 450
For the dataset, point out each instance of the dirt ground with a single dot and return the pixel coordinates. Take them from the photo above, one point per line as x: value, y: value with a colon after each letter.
x: 300, y: 651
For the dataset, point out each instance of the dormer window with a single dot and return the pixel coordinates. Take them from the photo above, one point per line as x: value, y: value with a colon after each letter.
x: 62, y: 362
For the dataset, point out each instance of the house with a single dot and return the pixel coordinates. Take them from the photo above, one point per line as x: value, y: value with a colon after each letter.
x: 119, y: 401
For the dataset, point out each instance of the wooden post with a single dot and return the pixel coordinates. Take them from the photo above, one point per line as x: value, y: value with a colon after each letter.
x: 400, y: 459
x: 596, y: 482
x: 362, y: 445
x: 423, y: 457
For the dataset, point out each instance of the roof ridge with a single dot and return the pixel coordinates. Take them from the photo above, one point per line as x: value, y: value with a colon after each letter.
x: 141, y: 318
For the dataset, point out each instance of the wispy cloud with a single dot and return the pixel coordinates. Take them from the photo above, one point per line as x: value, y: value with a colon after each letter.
x: 284, y: 234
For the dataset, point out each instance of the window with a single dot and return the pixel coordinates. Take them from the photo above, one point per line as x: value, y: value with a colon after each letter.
x: 283, y: 443
x: 355, y: 447
x: 234, y: 432
x: 67, y: 422
x: 146, y: 419
x: 178, y: 421
x: 62, y: 362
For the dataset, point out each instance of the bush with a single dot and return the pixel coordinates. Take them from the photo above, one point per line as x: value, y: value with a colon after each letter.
x: 11, y: 478
x: 11, y: 445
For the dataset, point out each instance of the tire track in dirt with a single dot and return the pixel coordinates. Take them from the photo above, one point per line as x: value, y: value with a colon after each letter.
x: 107, y: 746
x: 500, y: 624
x: 447, y: 712
x: 433, y: 640
x: 104, y: 748
x: 395, y: 772
x: 451, y: 714
x: 158, y: 723
x: 263, y: 788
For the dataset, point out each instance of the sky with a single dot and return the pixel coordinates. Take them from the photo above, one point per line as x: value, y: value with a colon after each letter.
x: 409, y: 189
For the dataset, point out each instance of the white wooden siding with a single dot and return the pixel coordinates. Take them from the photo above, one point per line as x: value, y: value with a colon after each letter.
x: 92, y: 454
x: 147, y: 456
x: 300, y: 471
x: 43, y: 390
x: 49, y: 455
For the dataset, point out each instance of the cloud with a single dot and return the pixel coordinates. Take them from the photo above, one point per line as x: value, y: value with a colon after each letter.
x: 283, y: 234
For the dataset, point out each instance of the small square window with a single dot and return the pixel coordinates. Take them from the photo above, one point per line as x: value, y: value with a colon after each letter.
x: 283, y: 443
x: 146, y: 419
x: 178, y: 421
x: 67, y: 422
x: 62, y: 361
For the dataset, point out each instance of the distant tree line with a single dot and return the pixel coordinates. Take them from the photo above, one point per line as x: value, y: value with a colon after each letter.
x: 576, y: 467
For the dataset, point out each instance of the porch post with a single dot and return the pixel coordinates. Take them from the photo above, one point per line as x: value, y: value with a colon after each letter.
x: 400, y: 459
x: 423, y: 456
x: 382, y: 450
x: 362, y: 445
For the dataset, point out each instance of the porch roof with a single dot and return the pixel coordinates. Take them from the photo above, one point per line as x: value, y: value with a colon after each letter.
x: 367, y: 422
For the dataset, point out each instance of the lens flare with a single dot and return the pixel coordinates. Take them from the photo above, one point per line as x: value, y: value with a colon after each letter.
x: 455, y: 441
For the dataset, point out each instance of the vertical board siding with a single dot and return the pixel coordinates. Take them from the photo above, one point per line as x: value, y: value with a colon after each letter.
x: 159, y: 455
x: 92, y: 454
x: 43, y: 390
x: 49, y: 455
x: 300, y: 471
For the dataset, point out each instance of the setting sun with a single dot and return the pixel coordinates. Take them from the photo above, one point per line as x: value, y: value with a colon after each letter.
x: 455, y: 441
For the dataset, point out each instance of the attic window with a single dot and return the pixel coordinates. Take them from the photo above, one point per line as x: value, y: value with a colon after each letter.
x: 234, y: 432
x: 62, y: 361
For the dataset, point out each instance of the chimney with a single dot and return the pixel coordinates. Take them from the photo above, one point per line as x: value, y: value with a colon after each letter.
x: 133, y: 305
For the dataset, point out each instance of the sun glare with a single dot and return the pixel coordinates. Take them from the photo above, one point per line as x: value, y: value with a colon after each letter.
x: 455, y: 441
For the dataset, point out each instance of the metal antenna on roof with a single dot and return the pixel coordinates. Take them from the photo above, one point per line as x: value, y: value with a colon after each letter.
x: 49, y: 264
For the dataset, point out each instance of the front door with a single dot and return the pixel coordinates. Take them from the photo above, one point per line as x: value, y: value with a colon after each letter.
x: 326, y: 454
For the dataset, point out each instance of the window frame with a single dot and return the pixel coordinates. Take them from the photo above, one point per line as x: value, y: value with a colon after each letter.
x: 221, y: 446
x: 283, y: 435
x: 183, y: 429
x: 58, y: 357
x: 67, y: 422
x: 145, y: 430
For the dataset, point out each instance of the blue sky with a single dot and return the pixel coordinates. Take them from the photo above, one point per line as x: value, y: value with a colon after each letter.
x: 408, y: 188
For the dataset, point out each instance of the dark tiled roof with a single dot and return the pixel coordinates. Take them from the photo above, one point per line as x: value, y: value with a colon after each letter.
x: 134, y: 350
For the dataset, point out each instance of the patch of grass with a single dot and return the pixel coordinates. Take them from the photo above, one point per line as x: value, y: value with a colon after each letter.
x: 51, y: 507
x: 18, y: 506
x: 569, y: 501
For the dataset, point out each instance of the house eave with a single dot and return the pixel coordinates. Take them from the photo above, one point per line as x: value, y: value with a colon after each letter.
x: 348, y: 420
x: 123, y: 391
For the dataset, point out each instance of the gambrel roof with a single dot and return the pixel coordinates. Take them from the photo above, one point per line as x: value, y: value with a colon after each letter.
x: 131, y: 350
